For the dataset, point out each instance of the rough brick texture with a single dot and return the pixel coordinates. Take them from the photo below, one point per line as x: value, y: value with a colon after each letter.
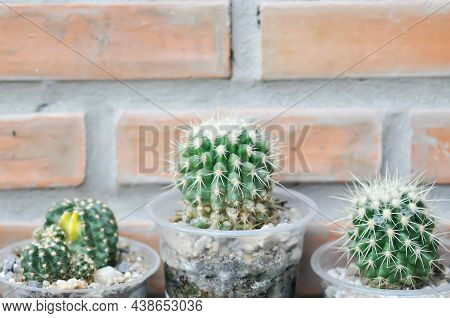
x: 143, y: 142
x: 129, y: 41
x: 323, y: 38
x: 430, y: 151
x: 40, y: 151
x: 316, y: 145
x: 328, y: 145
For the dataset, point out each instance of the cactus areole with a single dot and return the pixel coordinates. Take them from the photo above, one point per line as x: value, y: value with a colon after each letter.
x: 224, y: 172
x: 90, y: 228
x: 392, y: 237
x: 47, y: 259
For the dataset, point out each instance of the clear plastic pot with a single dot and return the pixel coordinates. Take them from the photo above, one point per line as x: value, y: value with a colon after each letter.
x: 136, y: 288
x: 215, y: 263
x: 328, y: 257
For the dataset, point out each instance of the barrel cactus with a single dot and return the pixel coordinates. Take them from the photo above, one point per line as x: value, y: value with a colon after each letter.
x: 83, y: 267
x: 51, y: 232
x: 224, y: 172
x: 90, y: 228
x: 392, y: 237
x: 46, y: 260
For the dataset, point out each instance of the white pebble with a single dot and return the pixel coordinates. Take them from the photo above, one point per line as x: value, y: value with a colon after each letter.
x: 107, y: 275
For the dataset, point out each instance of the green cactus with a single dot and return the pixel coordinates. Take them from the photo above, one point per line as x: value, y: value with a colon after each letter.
x: 225, y: 175
x: 48, y: 259
x: 90, y: 228
x: 83, y: 267
x: 50, y: 232
x: 391, y: 238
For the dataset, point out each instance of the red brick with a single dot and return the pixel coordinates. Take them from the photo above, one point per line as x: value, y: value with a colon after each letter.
x: 430, y: 144
x: 337, y: 143
x: 145, y: 159
x: 321, y: 39
x: 40, y: 151
x: 131, y: 41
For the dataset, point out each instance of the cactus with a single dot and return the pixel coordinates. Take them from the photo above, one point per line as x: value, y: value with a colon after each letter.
x: 48, y: 259
x: 90, y: 228
x: 51, y: 232
x: 392, y: 239
x: 225, y: 175
x: 83, y: 267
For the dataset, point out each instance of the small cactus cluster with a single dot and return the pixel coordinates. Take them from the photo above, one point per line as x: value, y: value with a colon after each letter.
x: 78, y: 237
x: 89, y: 226
x: 392, y: 238
x: 83, y: 266
x: 224, y: 172
x: 47, y: 259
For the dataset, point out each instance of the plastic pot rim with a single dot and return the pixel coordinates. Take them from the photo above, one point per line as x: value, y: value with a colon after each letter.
x: 278, y: 192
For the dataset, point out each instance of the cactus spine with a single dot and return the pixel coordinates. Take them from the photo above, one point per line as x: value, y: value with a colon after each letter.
x: 391, y: 238
x: 48, y: 259
x: 90, y: 228
x: 83, y: 267
x: 78, y: 237
x: 225, y: 175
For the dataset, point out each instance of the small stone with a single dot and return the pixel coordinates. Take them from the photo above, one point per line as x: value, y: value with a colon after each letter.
x: 214, y: 249
x: 17, y: 268
x: 19, y: 277
x: 123, y: 267
x: 182, y: 243
x: 70, y: 284
x: 107, y: 275
x: 46, y: 283
x: 12, y: 280
x: 2, y: 275
x: 296, y: 254
x: 249, y: 244
x: 201, y: 244
x: 247, y: 258
x: 9, y: 275
x: 34, y: 284
x: 267, y: 242
x: 8, y: 263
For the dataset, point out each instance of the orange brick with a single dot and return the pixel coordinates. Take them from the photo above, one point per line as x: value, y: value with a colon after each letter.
x: 430, y: 144
x: 336, y: 143
x: 41, y: 151
x: 321, y: 39
x: 144, y: 144
x: 130, y: 41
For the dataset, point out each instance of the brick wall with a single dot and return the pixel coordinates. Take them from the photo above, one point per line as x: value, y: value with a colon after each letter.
x: 368, y: 79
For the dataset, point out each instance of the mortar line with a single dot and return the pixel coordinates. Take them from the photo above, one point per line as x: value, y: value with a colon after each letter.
x: 359, y: 61
x: 20, y: 14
